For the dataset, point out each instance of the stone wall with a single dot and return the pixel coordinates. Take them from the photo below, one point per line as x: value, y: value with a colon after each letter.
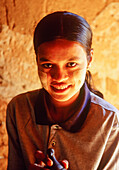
x: 18, y: 71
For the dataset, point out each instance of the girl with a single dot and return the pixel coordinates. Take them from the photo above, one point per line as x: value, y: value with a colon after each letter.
x: 67, y: 114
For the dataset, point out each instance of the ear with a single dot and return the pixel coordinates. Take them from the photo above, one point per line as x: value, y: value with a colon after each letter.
x: 91, y: 57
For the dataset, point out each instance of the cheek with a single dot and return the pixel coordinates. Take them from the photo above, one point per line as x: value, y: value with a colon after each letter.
x: 43, y: 78
x: 79, y: 76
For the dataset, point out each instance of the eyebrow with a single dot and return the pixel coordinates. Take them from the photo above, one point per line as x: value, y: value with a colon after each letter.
x: 44, y: 59
x: 71, y: 59
x: 74, y: 58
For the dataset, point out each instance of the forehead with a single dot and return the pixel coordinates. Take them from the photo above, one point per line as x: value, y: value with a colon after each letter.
x: 60, y: 49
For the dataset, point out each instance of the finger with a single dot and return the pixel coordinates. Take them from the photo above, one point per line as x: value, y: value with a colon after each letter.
x: 37, y: 167
x: 48, y: 161
x: 34, y: 167
x: 64, y: 163
x: 40, y: 156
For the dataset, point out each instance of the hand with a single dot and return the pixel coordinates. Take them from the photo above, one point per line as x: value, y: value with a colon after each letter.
x: 44, y: 162
x: 57, y: 165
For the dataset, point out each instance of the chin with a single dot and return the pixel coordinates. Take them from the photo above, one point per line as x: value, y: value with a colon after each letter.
x: 69, y: 96
x: 61, y: 99
x: 65, y: 99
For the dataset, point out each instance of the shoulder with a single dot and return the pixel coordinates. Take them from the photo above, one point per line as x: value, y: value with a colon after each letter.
x: 25, y: 100
x: 102, y: 103
x: 104, y: 107
x: 21, y: 108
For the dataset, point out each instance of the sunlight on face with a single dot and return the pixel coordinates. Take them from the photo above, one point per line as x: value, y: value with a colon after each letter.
x: 62, y: 68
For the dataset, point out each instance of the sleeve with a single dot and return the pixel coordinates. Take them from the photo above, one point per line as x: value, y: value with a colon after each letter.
x: 15, y: 157
x: 110, y: 158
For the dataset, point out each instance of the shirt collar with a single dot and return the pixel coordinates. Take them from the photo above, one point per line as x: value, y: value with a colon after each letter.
x: 75, y: 122
x: 78, y: 118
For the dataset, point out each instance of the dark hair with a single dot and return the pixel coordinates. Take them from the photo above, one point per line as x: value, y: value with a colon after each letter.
x: 64, y: 25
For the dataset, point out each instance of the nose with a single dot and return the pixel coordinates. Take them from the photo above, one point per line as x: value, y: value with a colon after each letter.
x: 59, y: 74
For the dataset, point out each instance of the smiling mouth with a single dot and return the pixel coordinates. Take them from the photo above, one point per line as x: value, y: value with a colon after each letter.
x: 60, y: 88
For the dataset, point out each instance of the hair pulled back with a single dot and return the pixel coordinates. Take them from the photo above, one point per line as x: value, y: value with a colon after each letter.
x: 65, y: 25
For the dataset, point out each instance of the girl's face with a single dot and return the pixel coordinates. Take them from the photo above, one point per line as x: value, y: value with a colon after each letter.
x: 62, y: 68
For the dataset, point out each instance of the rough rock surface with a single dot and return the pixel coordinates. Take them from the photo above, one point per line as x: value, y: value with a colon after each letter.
x: 106, y: 55
x: 18, y: 71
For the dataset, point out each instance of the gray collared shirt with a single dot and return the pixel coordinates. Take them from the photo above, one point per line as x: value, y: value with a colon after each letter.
x: 93, y: 144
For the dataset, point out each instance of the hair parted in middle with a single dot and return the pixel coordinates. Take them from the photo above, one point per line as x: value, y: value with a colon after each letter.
x: 63, y: 25
x: 69, y: 26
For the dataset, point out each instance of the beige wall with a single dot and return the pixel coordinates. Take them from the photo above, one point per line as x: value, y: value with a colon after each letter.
x: 18, y: 72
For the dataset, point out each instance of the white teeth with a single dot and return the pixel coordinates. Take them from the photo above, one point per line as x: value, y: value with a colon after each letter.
x: 60, y: 87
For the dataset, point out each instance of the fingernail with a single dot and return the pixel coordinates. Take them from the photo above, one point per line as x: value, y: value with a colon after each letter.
x: 49, y: 162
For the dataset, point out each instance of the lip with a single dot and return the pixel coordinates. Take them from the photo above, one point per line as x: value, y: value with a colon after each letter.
x: 60, y: 88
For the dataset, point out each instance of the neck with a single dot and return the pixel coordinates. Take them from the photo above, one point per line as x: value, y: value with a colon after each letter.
x: 61, y: 111
x: 63, y: 104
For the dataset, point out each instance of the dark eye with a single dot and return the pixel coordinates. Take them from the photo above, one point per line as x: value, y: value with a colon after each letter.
x: 71, y: 64
x: 47, y: 65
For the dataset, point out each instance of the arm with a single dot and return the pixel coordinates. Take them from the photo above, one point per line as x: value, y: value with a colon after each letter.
x: 110, y: 158
x: 15, y: 157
